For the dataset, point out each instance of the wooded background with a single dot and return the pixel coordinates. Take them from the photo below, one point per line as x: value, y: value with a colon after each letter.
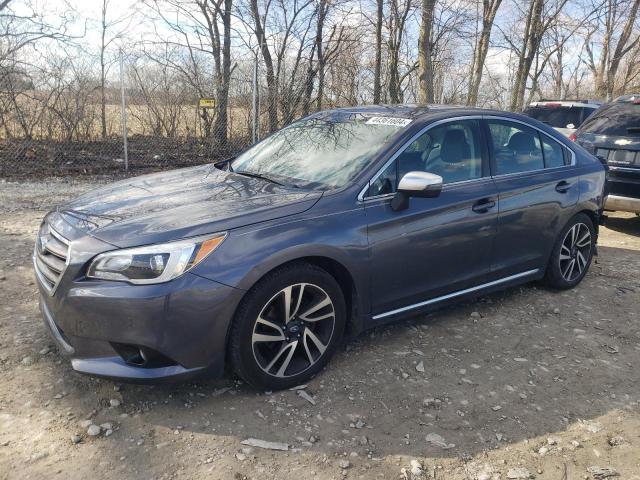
x: 61, y: 88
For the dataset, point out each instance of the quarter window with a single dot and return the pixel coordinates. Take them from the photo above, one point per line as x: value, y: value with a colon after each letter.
x: 555, y: 155
x: 385, y: 183
x: 516, y: 148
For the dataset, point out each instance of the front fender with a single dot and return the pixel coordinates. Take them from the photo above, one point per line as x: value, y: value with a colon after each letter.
x: 248, y: 254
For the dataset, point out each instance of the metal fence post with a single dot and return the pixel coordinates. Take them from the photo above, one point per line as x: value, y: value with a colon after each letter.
x: 123, y: 114
x: 254, y: 110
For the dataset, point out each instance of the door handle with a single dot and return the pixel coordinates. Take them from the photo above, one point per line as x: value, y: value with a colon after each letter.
x: 484, y: 205
x: 563, y: 186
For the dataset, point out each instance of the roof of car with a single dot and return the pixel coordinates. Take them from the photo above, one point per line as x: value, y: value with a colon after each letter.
x: 566, y: 103
x: 414, y: 110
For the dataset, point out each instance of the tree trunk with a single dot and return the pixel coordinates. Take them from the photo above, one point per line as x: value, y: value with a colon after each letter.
x: 425, y: 74
x: 222, y: 119
x: 309, y: 81
x: 394, y: 76
x: 103, y: 106
x: 377, y: 84
x: 560, y: 68
x: 272, y: 87
x: 322, y: 12
x: 489, y: 10
x: 621, y: 49
x: 532, y: 36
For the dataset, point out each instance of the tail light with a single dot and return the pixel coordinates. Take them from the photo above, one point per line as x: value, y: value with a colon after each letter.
x: 573, y: 137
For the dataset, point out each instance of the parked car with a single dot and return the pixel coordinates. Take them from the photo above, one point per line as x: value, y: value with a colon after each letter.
x: 563, y: 115
x: 613, y: 135
x: 343, y: 220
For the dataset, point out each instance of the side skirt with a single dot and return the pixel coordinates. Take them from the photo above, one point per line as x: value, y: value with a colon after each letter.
x: 453, y: 297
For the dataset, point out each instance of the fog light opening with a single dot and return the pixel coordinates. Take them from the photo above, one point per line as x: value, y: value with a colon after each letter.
x: 143, y: 357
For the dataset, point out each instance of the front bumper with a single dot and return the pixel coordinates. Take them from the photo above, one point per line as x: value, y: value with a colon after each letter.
x: 184, y: 322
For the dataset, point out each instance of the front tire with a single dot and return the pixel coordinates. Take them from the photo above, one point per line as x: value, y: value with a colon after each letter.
x: 572, y: 253
x: 287, y: 327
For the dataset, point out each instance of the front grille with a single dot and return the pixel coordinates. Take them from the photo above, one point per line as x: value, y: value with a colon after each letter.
x: 50, y: 257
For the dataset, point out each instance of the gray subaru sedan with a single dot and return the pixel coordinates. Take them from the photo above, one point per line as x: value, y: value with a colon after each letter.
x: 342, y: 221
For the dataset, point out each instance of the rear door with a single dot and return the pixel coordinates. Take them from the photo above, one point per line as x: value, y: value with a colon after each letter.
x: 537, y: 189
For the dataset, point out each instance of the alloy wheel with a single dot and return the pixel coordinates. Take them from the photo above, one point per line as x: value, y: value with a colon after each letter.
x: 575, y: 252
x: 293, y: 330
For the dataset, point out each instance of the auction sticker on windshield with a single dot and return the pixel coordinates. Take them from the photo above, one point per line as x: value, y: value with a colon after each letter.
x: 391, y: 121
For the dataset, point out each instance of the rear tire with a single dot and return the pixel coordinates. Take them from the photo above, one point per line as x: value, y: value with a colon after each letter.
x: 572, y: 253
x: 287, y: 327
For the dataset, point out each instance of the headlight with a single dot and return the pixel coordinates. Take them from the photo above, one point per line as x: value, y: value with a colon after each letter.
x: 153, y: 263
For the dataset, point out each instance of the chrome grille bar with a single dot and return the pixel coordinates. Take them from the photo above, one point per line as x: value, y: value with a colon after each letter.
x: 57, y: 247
x: 50, y: 257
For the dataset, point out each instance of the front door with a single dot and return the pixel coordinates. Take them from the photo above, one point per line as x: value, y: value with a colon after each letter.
x: 437, y: 245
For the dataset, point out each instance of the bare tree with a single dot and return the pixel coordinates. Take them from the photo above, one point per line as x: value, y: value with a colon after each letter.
x: 539, y: 17
x: 489, y: 10
x: 259, y: 21
x: 378, y: 61
x: 200, y: 27
x: 613, y: 46
x: 399, y: 12
x: 121, y: 24
x: 426, y: 92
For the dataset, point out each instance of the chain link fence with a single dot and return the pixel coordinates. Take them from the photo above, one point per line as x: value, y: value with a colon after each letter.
x: 145, y: 121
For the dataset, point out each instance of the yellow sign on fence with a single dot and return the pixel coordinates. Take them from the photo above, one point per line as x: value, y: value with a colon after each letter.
x: 207, y: 103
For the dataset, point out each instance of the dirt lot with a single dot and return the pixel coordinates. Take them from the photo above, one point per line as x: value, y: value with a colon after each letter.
x: 524, y: 383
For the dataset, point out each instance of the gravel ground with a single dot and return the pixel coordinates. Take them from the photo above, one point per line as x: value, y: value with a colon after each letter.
x: 527, y: 383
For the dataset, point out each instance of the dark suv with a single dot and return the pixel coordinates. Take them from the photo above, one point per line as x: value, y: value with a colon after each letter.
x: 343, y: 220
x: 613, y: 135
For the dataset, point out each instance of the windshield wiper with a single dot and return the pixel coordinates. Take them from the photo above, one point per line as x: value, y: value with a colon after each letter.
x: 262, y: 177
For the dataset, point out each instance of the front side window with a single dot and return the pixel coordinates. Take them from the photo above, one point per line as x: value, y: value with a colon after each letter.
x: 452, y: 150
x: 516, y: 147
x: 320, y: 152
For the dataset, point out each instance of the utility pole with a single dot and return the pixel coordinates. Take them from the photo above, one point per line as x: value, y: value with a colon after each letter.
x: 123, y: 114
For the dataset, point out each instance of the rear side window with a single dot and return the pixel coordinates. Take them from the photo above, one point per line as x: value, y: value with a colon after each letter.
x: 617, y: 121
x: 516, y: 147
x: 558, y: 116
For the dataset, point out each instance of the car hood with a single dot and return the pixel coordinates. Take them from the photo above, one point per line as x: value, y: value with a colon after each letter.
x: 181, y: 203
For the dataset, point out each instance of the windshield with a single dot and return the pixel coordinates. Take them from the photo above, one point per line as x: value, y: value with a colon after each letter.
x: 324, y: 152
x: 616, y: 120
x: 559, y: 117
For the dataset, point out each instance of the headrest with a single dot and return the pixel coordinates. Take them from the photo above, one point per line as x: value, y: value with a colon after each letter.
x: 522, y: 142
x: 454, y: 148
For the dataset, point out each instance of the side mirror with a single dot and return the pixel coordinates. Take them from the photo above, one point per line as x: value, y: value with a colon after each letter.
x: 416, y: 184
